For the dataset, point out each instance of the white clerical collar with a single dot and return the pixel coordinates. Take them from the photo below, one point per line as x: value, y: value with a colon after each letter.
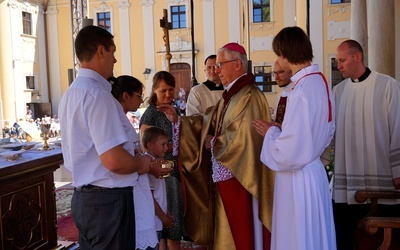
x: 227, y: 88
x: 363, y: 76
x: 286, y: 90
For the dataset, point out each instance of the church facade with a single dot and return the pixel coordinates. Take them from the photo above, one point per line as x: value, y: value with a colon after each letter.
x: 37, y: 61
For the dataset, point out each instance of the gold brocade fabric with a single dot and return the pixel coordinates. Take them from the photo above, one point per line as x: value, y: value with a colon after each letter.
x: 238, y: 148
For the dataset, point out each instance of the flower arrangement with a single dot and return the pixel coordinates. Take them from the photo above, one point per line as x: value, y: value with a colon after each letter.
x: 329, y: 167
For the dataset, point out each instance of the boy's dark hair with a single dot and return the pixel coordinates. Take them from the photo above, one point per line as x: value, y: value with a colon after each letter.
x: 152, y: 134
x: 293, y: 44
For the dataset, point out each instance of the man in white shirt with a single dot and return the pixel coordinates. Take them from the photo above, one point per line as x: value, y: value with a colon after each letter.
x: 206, y: 94
x: 367, y: 140
x: 97, y: 146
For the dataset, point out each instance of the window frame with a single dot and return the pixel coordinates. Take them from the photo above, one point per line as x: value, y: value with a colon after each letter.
x: 30, y: 82
x: 268, y: 83
x: 251, y: 11
x: 335, y: 75
x: 103, y: 8
x: 105, y: 20
x: 170, y: 15
x: 26, y: 23
x: 340, y: 1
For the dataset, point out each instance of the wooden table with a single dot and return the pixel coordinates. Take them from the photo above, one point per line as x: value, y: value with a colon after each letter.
x: 27, y: 200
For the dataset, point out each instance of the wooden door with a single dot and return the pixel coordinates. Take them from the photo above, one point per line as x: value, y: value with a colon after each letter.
x: 182, y: 74
x: 40, y: 109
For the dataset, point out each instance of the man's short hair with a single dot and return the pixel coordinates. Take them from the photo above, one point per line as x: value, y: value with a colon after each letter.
x: 231, y: 54
x: 89, y: 39
x: 210, y: 57
x: 354, y: 47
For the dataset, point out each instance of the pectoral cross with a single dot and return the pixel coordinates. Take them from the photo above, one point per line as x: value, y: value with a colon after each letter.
x: 165, y: 25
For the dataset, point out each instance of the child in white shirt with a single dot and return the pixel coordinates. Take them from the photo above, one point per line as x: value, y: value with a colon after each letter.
x: 155, y: 143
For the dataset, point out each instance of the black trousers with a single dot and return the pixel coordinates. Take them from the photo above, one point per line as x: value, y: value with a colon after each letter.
x: 105, y: 217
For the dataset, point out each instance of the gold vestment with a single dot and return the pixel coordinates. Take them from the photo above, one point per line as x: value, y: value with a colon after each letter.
x: 238, y: 148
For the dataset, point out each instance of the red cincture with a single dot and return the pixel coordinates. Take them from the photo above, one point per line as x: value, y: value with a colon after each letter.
x: 327, y: 91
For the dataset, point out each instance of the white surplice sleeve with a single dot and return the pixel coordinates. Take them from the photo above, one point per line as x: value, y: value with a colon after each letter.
x: 291, y: 148
x: 305, y: 129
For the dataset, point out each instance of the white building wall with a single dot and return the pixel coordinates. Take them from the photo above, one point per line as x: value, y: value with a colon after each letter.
x: 15, y: 91
x: 149, y: 47
x: 234, y: 21
x: 316, y: 32
x: 209, y: 29
x: 41, y: 59
x: 54, y: 59
x: 125, y: 38
x: 290, y: 12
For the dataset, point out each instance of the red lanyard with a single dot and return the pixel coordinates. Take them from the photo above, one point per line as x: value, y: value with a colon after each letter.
x: 327, y: 91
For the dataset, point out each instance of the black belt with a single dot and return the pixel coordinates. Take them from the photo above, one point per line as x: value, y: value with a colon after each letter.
x: 93, y: 188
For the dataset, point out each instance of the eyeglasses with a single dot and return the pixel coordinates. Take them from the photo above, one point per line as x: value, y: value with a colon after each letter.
x: 277, y: 73
x: 140, y: 95
x: 219, y: 65
x: 210, y: 68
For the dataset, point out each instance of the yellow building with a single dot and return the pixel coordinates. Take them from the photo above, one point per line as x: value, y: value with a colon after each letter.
x: 37, y: 59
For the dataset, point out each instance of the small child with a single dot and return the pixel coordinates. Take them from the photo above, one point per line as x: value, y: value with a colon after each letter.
x: 155, y: 144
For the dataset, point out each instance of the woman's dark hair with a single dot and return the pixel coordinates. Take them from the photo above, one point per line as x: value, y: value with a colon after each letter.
x: 123, y: 84
x: 168, y: 78
x: 89, y: 39
x: 293, y: 44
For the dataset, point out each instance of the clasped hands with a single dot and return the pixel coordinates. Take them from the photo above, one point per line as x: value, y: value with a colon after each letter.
x: 262, y: 126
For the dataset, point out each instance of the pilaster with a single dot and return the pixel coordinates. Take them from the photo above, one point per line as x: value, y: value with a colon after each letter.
x: 381, y: 33
x: 358, y: 24
x: 125, y: 35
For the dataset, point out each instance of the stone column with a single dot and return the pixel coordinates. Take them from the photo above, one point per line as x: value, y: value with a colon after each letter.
x: 381, y: 33
x: 358, y: 23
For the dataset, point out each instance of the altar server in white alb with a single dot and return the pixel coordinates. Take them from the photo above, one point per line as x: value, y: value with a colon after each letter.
x: 367, y: 140
x: 302, y: 213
